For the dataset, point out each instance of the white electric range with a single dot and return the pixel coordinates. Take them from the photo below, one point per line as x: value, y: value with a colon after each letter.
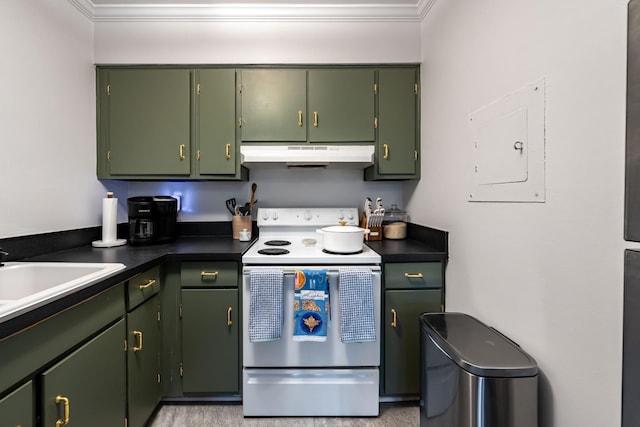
x: 286, y: 377
x: 288, y: 236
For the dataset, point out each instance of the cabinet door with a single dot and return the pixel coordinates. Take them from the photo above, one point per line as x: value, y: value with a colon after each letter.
x: 149, y: 128
x: 397, y: 130
x: 216, y: 121
x: 16, y: 409
x: 89, y: 384
x: 341, y: 105
x: 210, y: 341
x: 402, y: 338
x: 143, y: 361
x: 274, y: 105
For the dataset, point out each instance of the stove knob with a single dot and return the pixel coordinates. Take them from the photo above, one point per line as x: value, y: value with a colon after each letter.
x: 265, y: 215
x: 307, y: 215
x: 275, y: 215
x: 340, y: 215
x: 350, y: 216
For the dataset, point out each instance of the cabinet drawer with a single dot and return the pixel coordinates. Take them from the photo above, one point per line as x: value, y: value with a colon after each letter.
x: 209, y: 274
x: 17, y: 408
x: 411, y: 275
x: 143, y: 286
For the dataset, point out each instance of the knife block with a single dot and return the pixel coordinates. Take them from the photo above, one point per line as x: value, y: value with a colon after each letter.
x: 375, y: 233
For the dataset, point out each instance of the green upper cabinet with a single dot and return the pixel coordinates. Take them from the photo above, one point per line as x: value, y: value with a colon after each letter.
x: 147, y: 122
x: 397, y: 145
x: 341, y: 105
x: 158, y: 123
x: 273, y: 105
x: 216, y: 151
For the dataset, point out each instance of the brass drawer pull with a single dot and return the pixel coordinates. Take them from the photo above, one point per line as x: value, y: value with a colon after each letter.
x: 227, y: 151
x: 65, y: 403
x: 181, y: 151
x: 138, y: 336
x: 300, y: 119
x: 149, y: 283
x: 413, y: 276
x: 386, y: 151
x: 229, y: 322
x: 394, y: 319
x: 208, y: 274
x: 315, y: 119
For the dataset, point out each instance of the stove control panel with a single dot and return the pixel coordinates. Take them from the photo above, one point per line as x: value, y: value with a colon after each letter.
x: 301, y: 217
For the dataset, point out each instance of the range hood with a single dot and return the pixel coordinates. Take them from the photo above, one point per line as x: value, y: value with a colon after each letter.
x: 355, y: 156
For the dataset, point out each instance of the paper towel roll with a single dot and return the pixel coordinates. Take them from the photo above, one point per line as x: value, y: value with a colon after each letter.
x: 109, y: 219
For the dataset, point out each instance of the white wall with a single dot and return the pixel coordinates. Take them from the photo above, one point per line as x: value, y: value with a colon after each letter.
x: 262, y: 43
x: 47, y: 119
x: 547, y: 275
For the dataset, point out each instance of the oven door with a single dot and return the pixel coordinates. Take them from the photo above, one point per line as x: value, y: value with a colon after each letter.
x: 287, y: 353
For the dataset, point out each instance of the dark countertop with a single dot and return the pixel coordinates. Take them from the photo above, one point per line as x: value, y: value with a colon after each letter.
x: 137, y: 259
x: 407, y: 250
x: 425, y: 245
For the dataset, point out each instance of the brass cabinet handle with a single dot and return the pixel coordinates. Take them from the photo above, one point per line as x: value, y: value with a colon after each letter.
x: 229, y: 322
x: 182, y: 157
x: 394, y: 319
x: 299, y: 118
x: 375, y: 123
x: 386, y: 151
x: 227, y: 151
x: 315, y: 119
x: 413, y: 276
x: 149, y: 283
x: 138, y: 336
x: 65, y: 403
x: 208, y: 274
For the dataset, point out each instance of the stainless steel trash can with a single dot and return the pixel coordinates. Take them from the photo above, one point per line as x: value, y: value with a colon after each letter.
x: 473, y: 376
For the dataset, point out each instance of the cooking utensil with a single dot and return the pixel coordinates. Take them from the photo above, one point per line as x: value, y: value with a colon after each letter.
x: 343, y: 239
x: 231, y: 205
x: 254, y: 187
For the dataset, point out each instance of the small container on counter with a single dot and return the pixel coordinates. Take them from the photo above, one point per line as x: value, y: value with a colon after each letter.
x: 394, y: 223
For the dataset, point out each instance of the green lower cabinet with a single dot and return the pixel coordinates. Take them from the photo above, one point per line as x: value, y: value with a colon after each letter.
x: 210, y: 341
x: 143, y: 361
x: 88, y: 387
x: 402, y: 338
x: 16, y: 409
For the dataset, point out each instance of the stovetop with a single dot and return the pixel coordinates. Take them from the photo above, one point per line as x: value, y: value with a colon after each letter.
x: 288, y: 236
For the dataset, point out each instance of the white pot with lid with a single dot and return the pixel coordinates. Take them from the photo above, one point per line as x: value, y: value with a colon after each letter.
x: 343, y: 239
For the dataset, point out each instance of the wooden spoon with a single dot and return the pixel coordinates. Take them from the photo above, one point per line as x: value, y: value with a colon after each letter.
x: 254, y: 187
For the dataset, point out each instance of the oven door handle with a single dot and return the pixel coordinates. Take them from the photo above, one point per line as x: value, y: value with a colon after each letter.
x: 331, y: 272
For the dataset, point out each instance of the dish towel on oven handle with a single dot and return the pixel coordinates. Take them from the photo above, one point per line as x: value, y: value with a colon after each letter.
x: 265, y: 304
x: 357, y: 311
x: 310, y: 305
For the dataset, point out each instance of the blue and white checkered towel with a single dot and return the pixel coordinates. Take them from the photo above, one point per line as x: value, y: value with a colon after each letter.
x: 266, y: 304
x: 357, y: 315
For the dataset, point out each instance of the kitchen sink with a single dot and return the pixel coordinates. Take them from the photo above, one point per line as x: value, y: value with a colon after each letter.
x: 26, y: 285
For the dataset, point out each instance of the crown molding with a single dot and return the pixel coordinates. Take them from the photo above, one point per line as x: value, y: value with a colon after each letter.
x: 253, y: 12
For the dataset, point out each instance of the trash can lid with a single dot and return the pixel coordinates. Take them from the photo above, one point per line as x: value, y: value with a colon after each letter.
x: 476, y: 347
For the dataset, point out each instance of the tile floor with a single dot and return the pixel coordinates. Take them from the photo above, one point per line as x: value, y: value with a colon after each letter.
x: 400, y: 414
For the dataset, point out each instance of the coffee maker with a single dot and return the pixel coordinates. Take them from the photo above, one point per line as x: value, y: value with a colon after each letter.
x: 166, y: 214
x: 152, y: 219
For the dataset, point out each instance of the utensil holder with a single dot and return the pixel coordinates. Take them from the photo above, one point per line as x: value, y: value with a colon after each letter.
x: 238, y: 222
